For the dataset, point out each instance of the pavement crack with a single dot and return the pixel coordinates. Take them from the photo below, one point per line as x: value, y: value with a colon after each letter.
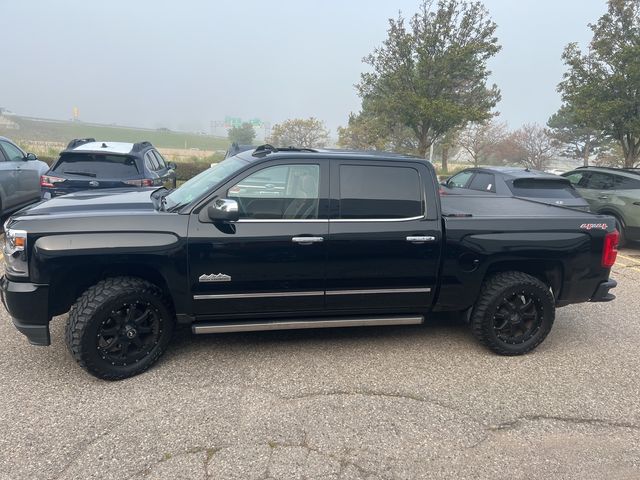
x: 208, y: 451
x: 84, y: 448
x: 373, y: 393
x: 597, y: 422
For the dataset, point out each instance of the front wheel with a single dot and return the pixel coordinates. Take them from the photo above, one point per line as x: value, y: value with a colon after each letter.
x: 514, y: 313
x: 119, y: 327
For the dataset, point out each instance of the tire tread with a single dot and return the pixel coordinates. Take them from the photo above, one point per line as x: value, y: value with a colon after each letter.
x: 492, y: 288
x: 87, y: 305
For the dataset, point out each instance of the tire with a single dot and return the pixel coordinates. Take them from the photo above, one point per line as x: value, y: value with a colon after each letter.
x: 503, y: 302
x: 119, y: 327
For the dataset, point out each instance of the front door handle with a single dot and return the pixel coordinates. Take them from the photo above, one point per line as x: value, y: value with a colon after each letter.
x: 421, y: 239
x: 307, y: 240
x: 603, y: 197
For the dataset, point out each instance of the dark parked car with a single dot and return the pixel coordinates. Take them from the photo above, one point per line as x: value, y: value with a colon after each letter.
x: 612, y: 191
x: 273, y: 240
x: 19, y: 177
x: 90, y: 165
x: 516, y: 182
x: 236, y: 148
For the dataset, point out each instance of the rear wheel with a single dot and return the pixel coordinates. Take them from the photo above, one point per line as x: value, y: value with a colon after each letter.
x: 119, y: 327
x: 513, y: 314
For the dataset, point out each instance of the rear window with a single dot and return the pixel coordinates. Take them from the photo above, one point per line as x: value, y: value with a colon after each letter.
x: 97, y: 165
x: 483, y: 182
x: 542, y: 188
x: 379, y: 192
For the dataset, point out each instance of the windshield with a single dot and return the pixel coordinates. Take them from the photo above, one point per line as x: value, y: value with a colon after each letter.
x: 203, y: 182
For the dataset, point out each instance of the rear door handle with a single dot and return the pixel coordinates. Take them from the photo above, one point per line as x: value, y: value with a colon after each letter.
x: 603, y: 197
x: 421, y: 239
x: 307, y: 240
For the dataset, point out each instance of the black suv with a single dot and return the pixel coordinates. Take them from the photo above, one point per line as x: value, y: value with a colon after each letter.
x: 89, y: 165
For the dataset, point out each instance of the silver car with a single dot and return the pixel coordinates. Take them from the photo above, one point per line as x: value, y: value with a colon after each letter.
x: 19, y: 177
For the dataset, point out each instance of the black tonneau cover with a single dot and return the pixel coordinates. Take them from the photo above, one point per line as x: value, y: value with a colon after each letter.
x: 495, y: 206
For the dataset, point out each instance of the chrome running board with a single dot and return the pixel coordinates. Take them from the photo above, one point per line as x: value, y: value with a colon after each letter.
x: 253, y: 326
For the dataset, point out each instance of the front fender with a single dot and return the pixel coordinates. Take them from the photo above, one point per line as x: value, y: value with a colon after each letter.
x: 70, y: 263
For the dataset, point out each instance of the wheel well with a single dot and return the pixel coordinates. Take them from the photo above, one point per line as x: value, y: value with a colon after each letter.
x: 616, y: 215
x: 74, y: 282
x: 548, y: 272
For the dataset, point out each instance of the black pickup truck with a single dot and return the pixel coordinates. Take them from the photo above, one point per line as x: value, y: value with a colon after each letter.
x: 294, y: 238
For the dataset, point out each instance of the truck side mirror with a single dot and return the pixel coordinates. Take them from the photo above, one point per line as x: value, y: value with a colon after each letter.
x: 223, y: 210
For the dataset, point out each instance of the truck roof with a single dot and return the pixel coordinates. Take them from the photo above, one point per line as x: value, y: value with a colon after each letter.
x: 272, y: 153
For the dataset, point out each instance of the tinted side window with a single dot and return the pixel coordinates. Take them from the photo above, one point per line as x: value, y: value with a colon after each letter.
x: 12, y: 152
x: 162, y: 164
x: 379, y: 192
x: 600, y: 181
x: 625, y: 183
x: 280, y: 192
x: 151, y: 161
x: 484, y: 182
x: 460, y: 180
x: 574, y: 178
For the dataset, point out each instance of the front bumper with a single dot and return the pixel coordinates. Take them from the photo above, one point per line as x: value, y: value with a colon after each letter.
x: 28, y: 305
x: 602, y: 292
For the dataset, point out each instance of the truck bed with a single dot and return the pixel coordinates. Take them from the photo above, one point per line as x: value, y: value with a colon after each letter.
x: 564, y: 244
x: 490, y: 206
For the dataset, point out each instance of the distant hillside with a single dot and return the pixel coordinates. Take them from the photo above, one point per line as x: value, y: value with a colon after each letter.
x: 32, y: 129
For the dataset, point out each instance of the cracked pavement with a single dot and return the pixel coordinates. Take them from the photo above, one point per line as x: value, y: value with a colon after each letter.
x: 373, y: 403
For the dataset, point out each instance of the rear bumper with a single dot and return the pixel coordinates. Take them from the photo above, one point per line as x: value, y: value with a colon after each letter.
x: 602, y: 293
x: 28, y: 305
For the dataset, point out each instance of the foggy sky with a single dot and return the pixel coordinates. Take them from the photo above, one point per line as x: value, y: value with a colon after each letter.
x: 182, y: 63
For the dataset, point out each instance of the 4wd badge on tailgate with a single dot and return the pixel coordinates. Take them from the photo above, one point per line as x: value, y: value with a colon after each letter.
x: 593, y: 226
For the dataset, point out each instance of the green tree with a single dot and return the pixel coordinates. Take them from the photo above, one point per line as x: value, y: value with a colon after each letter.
x: 363, y: 132
x: 573, y: 139
x: 601, y: 86
x: 299, y: 132
x: 367, y: 132
x: 431, y: 76
x: 242, y: 135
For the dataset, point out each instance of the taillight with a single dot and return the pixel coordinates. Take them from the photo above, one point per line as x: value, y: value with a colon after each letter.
x: 49, y: 180
x: 442, y: 191
x: 610, y: 249
x: 145, y: 182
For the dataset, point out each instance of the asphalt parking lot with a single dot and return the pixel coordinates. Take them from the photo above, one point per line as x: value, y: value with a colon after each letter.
x: 391, y: 403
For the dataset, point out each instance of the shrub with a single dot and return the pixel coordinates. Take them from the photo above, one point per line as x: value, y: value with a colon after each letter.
x: 187, y: 170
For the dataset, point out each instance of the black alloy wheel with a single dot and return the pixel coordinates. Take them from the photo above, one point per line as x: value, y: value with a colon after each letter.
x: 119, y: 327
x: 518, y: 318
x: 514, y: 313
x: 129, y: 333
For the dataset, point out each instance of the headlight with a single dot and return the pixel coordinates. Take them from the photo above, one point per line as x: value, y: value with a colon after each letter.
x: 15, y: 254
